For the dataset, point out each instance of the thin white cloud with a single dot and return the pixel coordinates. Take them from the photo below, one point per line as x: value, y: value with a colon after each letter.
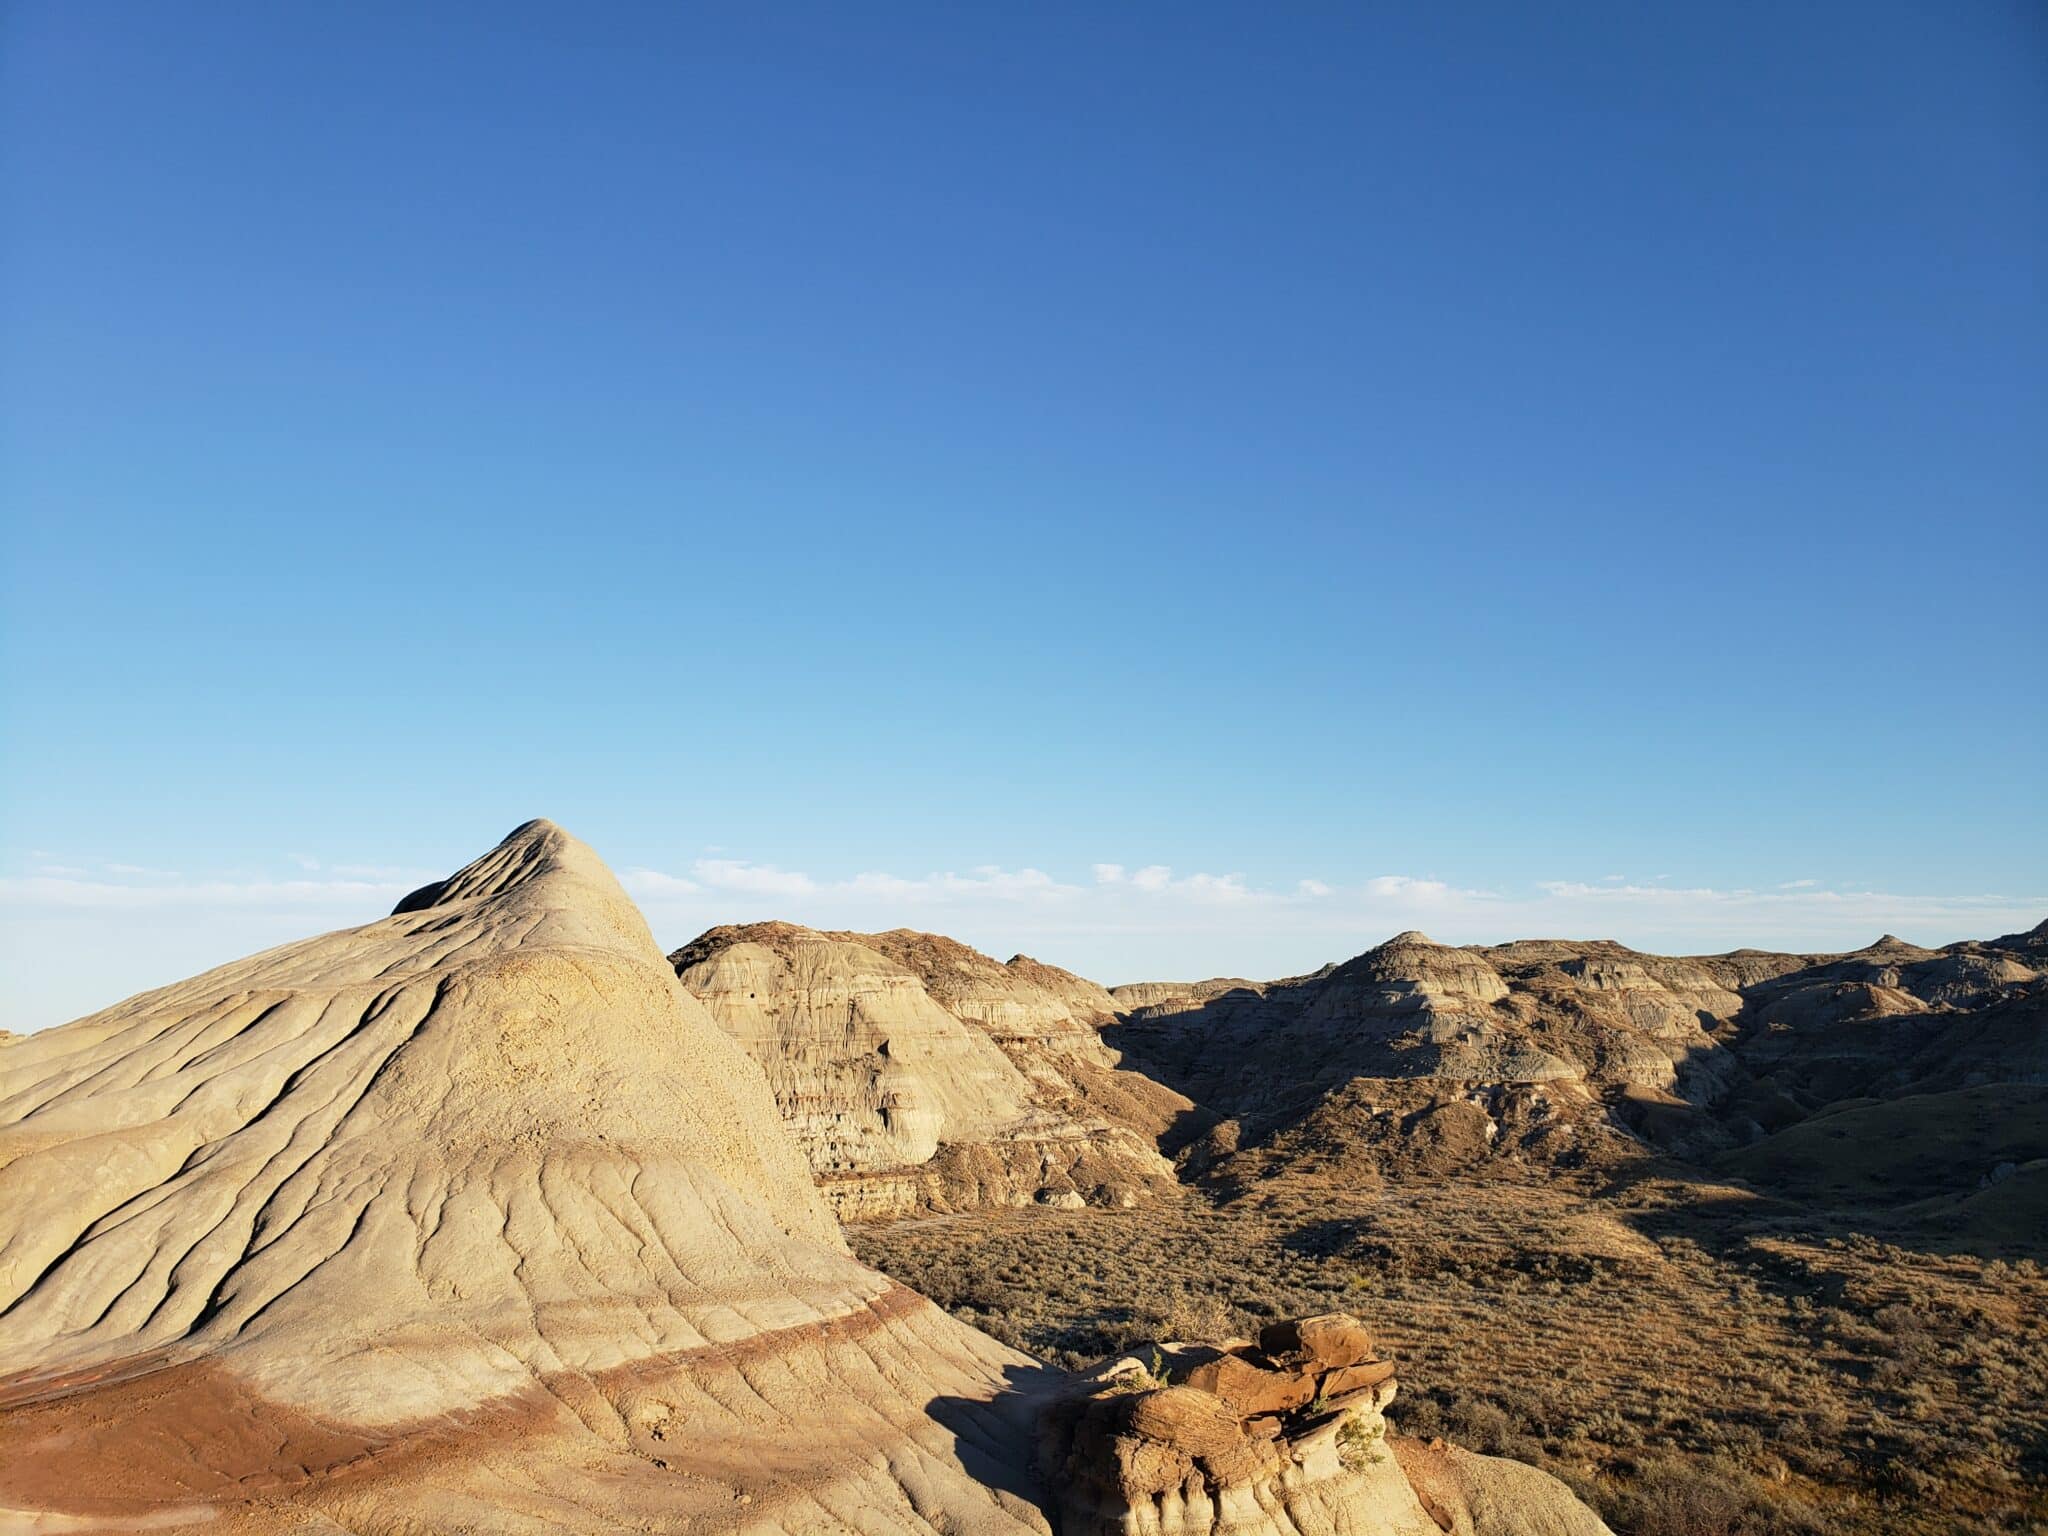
x: 874, y: 886
x: 1229, y: 890
x: 79, y: 933
x: 1118, y: 899
x: 751, y: 879
x: 1801, y: 915
x: 42, y: 891
x: 652, y: 883
x: 1405, y: 888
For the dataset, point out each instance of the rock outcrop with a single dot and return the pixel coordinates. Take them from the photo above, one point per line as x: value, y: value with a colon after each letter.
x: 1287, y: 1436
x: 1527, y: 1058
x: 918, y: 1074
x: 468, y: 1219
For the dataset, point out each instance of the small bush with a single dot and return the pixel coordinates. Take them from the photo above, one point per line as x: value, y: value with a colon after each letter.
x: 1481, y: 1426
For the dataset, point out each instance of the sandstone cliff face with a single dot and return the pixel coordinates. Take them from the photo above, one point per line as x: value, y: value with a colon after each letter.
x: 1086, y: 1000
x: 870, y: 1073
x: 916, y: 1073
x: 467, y: 1219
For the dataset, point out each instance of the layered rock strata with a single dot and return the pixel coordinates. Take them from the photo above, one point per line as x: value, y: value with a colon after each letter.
x: 1420, y: 1057
x: 1521, y: 1059
x: 918, y: 1074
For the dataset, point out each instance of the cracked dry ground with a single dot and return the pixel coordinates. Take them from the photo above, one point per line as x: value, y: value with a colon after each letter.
x: 1691, y: 1358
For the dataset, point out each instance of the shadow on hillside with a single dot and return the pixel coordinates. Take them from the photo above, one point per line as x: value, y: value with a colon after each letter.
x: 1194, y: 1051
x: 1927, y: 1205
x: 1328, y: 1238
x: 994, y: 1437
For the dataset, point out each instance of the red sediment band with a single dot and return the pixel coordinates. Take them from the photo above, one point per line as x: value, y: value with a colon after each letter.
x: 151, y: 1430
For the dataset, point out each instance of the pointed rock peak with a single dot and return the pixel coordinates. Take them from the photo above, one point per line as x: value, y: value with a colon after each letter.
x: 538, y: 873
x: 529, y: 851
x: 1414, y: 957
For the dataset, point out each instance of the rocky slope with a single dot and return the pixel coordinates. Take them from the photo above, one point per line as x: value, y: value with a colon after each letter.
x: 1902, y: 1080
x: 1895, y: 1018
x: 918, y: 1074
x: 1540, y: 1055
x: 1419, y: 1057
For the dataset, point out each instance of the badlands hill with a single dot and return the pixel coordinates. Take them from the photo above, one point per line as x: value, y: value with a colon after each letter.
x: 471, y: 1219
x: 466, y: 1219
x: 1419, y: 1057
x: 919, y: 1074
x: 1541, y: 1056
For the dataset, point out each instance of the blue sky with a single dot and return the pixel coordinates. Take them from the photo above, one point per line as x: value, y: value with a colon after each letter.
x: 1514, y: 469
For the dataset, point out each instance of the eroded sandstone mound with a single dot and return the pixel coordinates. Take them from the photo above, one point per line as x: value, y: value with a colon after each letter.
x: 468, y: 1219
x: 918, y: 1074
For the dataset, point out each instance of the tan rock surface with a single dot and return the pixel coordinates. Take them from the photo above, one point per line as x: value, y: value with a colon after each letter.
x: 917, y: 1073
x: 1085, y: 999
x: 869, y: 1071
x: 468, y: 1219
x: 1472, y: 1495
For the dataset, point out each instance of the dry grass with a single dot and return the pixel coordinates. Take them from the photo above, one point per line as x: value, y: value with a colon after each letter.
x: 1694, y: 1360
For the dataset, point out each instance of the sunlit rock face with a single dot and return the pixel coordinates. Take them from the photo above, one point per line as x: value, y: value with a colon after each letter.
x: 918, y: 1074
